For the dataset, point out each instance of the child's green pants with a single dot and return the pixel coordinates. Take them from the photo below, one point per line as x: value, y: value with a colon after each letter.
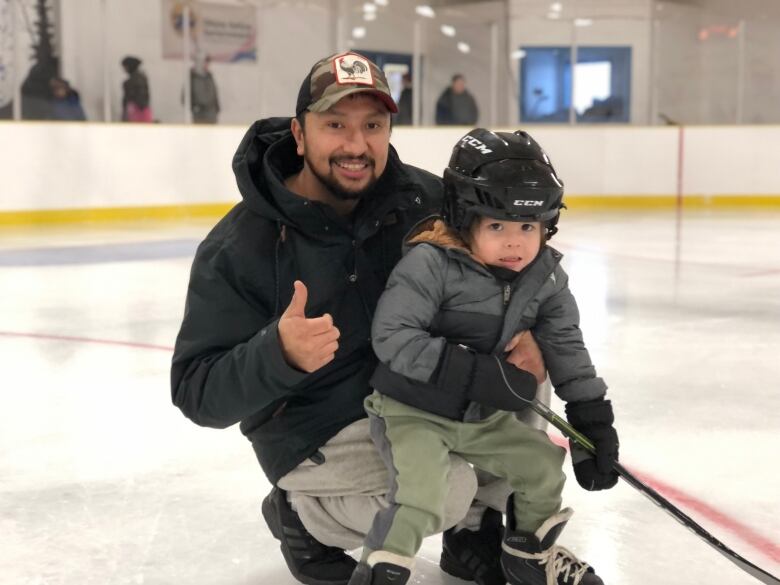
x: 415, y: 446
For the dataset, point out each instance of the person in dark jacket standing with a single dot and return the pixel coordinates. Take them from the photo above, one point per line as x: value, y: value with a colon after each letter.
x: 204, y: 99
x: 135, y: 92
x: 405, y: 103
x: 456, y: 106
x: 277, y: 322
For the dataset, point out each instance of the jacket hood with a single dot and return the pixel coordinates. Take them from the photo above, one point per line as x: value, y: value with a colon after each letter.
x: 258, y: 188
x: 267, y: 155
x: 433, y: 230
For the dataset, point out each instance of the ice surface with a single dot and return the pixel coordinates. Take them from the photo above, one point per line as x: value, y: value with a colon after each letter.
x: 103, y: 481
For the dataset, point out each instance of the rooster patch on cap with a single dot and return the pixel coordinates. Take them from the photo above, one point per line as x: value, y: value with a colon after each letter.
x: 351, y: 68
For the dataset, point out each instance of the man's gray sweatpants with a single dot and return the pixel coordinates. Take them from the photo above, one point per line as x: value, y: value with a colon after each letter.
x: 338, y: 498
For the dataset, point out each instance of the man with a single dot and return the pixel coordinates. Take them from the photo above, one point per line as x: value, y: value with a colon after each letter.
x: 276, y: 330
x: 405, y: 105
x: 456, y: 106
x: 204, y: 99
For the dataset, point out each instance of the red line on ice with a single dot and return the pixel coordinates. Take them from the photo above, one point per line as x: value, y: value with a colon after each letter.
x: 85, y: 340
x: 747, y: 534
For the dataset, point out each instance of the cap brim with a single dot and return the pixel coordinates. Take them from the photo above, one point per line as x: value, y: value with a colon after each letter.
x: 324, y: 104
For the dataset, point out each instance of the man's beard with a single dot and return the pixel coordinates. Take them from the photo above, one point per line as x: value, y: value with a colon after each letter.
x: 335, y: 188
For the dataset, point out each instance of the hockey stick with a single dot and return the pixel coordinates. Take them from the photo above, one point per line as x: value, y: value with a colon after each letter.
x: 574, y: 435
x: 571, y: 433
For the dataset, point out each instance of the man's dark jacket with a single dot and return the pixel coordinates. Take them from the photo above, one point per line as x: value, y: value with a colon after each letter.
x: 227, y: 364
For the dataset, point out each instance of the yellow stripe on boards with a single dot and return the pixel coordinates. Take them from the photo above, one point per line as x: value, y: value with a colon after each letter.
x: 217, y: 210
x: 589, y: 202
x: 113, y: 214
x: 731, y: 201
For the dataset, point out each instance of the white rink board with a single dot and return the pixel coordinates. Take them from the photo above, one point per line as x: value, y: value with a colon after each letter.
x: 732, y: 159
x: 75, y: 166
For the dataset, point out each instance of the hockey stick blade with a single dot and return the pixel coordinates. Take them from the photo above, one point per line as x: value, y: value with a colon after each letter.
x: 571, y: 433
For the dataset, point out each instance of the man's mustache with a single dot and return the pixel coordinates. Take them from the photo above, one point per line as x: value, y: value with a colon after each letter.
x: 364, y: 159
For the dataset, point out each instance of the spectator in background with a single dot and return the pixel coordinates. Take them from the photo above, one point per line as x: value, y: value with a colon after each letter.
x: 135, y: 92
x: 404, y: 117
x: 66, y: 103
x: 456, y: 106
x: 36, y: 92
x: 204, y: 100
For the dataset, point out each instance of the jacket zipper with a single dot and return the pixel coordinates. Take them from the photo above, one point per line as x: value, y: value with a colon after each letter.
x: 507, y: 294
x: 353, y: 279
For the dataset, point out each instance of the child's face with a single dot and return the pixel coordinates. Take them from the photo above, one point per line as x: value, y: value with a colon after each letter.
x: 509, y: 244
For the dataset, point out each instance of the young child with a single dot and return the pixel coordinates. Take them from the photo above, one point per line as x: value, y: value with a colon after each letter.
x: 467, y: 285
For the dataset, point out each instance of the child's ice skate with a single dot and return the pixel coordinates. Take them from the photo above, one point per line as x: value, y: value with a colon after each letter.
x: 534, y: 559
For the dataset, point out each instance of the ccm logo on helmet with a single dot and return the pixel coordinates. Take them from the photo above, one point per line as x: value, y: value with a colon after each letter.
x: 477, y: 144
x: 525, y: 203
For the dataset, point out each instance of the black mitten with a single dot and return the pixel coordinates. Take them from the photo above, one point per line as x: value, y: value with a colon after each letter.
x: 594, y: 419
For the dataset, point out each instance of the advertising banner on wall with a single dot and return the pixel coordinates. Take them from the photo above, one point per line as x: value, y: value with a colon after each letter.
x: 225, y: 33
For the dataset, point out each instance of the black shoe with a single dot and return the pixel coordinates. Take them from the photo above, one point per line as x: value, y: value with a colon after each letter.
x: 531, y: 558
x: 379, y: 574
x: 309, y: 561
x: 475, y: 556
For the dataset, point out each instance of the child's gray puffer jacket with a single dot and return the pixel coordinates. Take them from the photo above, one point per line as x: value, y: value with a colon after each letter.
x: 439, y: 297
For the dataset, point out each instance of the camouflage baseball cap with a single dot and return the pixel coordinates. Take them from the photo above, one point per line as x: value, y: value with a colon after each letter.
x: 338, y: 76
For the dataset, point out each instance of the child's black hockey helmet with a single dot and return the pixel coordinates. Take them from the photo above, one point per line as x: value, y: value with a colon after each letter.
x: 503, y: 175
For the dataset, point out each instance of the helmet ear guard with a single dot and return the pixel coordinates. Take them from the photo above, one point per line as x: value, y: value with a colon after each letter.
x: 502, y: 175
x: 551, y: 226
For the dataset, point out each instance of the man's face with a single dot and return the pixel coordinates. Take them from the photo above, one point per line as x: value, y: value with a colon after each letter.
x: 346, y: 148
x: 459, y: 85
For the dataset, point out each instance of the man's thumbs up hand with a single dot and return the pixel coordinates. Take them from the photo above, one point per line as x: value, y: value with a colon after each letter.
x: 297, y: 306
x: 307, y: 344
